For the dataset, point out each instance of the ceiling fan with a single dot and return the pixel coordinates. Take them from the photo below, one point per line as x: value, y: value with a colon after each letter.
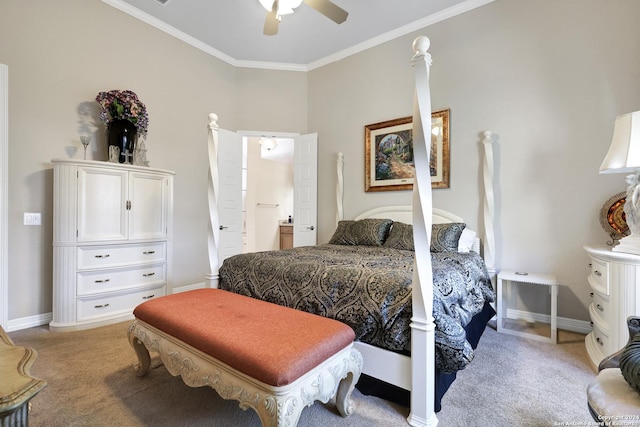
x: 277, y: 8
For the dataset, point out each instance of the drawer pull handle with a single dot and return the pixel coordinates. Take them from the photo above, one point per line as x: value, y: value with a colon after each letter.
x: 599, y: 341
x: 148, y: 252
x: 103, y: 256
x: 148, y: 274
x: 599, y: 307
x: 101, y: 306
x: 102, y: 280
x: 149, y: 296
x: 597, y: 273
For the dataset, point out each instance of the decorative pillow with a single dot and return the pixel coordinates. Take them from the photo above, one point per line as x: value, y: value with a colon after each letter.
x: 465, y: 244
x: 367, y: 232
x: 445, y: 237
x: 400, y: 237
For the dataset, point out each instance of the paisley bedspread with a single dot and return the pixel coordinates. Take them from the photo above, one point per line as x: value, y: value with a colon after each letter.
x: 368, y: 288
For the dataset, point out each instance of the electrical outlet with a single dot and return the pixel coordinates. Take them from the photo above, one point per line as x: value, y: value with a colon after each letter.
x: 32, y: 218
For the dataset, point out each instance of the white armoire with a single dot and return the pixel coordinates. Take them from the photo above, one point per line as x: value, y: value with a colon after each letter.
x: 112, y: 228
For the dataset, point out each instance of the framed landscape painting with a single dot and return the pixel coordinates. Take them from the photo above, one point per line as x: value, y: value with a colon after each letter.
x: 389, y: 153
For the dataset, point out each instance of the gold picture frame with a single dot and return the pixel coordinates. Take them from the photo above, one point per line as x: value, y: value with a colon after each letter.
x: 389, y: 153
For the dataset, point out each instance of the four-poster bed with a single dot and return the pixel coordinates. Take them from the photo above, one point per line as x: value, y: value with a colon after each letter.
x: 416, y: 372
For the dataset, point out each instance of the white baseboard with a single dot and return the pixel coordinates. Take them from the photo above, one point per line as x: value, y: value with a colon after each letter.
x: 179, y: 289
x: 29, y: 322
x: 579, y: 326
x: 45, y: 319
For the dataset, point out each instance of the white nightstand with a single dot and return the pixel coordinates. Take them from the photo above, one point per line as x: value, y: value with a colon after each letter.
x: 515, y: 277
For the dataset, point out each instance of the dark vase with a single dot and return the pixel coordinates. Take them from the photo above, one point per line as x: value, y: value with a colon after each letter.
x: 121, y: 134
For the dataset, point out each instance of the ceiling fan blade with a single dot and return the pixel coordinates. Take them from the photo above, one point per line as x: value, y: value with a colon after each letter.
x: 329, y: 9
x: 271, y: 22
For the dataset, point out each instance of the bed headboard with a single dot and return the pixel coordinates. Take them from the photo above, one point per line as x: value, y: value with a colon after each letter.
x: 403, y: 213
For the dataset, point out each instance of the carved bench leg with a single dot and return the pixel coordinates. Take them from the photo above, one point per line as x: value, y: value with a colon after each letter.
x: 144, y: 359
x: 280, y: 411
x: 346, y: 386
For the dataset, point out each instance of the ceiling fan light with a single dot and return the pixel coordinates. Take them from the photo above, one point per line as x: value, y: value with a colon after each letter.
x: 286, y: 7
x: 267, y: 4
x: 289, y: 4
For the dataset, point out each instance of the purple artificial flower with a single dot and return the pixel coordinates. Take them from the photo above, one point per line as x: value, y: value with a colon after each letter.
x: 123, y: 105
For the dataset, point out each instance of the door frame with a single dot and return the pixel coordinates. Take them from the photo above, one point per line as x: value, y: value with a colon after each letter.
x: 4, y: 228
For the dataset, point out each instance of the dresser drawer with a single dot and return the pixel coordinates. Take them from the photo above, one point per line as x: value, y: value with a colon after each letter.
x: 90, y: 308
x: 601, y: 340
x: 93, y: 282
x: 120, y: 255
x: 599, y: 277
x: 599, y: 310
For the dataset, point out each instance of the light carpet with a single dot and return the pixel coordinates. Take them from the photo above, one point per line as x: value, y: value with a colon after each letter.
x: 513, y: 381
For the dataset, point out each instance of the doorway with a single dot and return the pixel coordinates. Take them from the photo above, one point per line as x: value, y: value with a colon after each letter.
x: 4, y: 149
x: 268, y: 190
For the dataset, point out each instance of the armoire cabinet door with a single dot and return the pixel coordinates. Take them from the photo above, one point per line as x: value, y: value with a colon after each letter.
x: 102, y: 214
x: 148, y: 206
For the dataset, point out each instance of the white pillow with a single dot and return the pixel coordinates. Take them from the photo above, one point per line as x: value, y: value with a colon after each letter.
x: 465, y: 244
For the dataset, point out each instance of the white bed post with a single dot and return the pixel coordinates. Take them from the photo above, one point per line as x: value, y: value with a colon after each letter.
x: 340, y: 189
x: 213, y: 192
x: 489, y: 204
x: 422, y: 323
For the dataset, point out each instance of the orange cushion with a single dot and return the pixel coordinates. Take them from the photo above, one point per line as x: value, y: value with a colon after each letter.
x: 266, y: 341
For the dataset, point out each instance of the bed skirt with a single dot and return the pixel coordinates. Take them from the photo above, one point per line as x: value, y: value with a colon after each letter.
x: 374, y: 387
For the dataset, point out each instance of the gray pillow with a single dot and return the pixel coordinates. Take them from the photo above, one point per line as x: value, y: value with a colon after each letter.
x: 367, y: 232
x: 444, y: 237
x: 400, y: 237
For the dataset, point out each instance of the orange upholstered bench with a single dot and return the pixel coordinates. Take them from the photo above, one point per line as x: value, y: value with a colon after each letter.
x: 273, y: 359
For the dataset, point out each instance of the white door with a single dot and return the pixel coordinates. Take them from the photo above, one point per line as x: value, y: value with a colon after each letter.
x: 102, y: 213
x: 230, y: 197
x: 4, y: 244
x: 148, y: 195
x: 305, y: 190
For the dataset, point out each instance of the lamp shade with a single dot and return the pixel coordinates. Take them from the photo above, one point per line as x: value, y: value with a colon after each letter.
x: 624, y: 152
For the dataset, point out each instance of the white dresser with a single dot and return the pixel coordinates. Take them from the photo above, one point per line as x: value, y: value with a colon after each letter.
x: 614, y: 283
x: 112, y: 227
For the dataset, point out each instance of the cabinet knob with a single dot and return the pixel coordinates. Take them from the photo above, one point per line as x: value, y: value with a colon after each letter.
x: 148, y: 252
x: 591, y: 294
x: 148, y: 274
x: 149, y: 296
x: 101, y: 306
x: 599, y: 341
x: 102, y: 280
x: 597, y: 273
x: 599, y: 307
x: 103, y: 256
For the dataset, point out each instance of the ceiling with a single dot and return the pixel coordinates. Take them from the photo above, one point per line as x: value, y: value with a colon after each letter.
x: 231, y: 30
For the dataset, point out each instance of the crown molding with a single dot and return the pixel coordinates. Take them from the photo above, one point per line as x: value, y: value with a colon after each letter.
x: 450, y: 12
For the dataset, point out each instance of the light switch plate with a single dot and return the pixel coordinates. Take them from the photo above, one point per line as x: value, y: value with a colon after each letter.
x: 31, y: 218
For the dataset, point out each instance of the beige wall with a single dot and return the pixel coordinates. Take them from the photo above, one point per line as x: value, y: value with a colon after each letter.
x: 60, y: 55
x: 549, y: 77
